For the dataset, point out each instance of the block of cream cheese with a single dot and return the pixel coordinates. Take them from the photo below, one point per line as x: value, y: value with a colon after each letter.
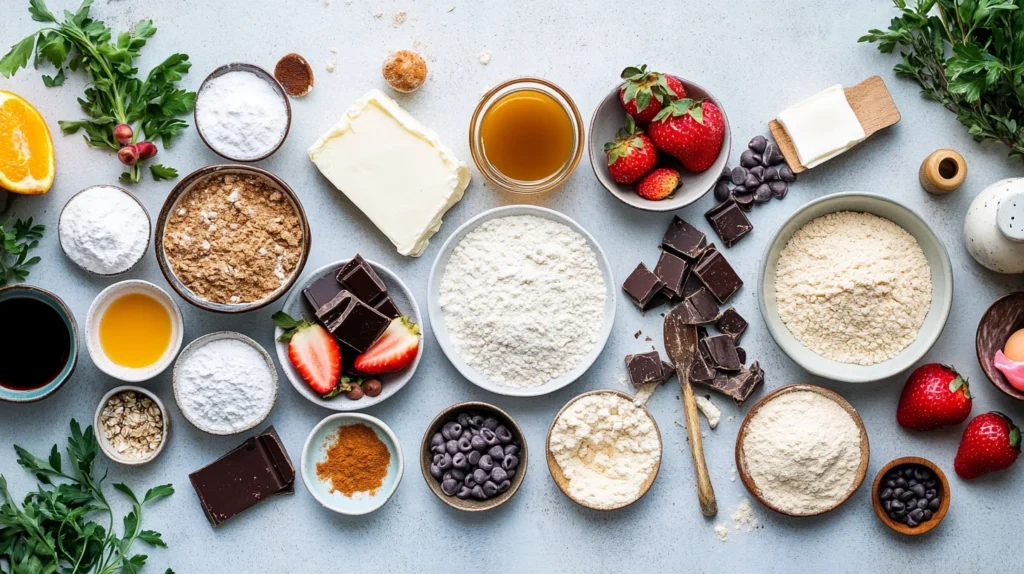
x: 395, y: 169
x: 822, y: 126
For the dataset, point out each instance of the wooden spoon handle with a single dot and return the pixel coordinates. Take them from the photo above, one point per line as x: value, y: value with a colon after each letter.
x: 705, y: 492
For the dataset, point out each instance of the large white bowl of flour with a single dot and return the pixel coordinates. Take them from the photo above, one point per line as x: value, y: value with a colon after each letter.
x: 941, y: 287
x: 521, y: 300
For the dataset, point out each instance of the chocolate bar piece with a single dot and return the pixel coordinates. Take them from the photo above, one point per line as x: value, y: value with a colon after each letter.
x: 387, y: 308
x: 645, y: 368
x: 729, y: 222
x: 673, y: 271
x: 347, y: 268
x: 718, y: 276
x: 742, y: 354
x: 684, y: 239
x: 641, y: 286
x: 739, y: 386
x: 321, y: 291
x: 692, y: 284
x: 329, y: 311
x: 359, y: 325
x: 249, y: 474
x: 700, y: 371
x: 704, y: 304
x: 723, y: 353
x: 362, y: 281
x: 731, y: 323
x: 667, y: 370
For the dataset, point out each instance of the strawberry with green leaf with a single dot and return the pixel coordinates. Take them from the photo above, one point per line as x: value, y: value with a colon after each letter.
x: 645, y: 93
x: 312, y: 351
x: 631, y: 155
x: 691, y: 131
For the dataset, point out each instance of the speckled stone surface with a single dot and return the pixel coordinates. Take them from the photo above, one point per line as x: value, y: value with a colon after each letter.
x: 757, y: 58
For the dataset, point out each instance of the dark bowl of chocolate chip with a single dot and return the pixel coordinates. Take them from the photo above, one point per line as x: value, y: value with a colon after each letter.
x: 473, y: 456
x: 910, y: 495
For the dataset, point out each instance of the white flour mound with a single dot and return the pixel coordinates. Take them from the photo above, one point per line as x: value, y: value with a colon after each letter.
x: 523, y: 299
x: 853, y: 287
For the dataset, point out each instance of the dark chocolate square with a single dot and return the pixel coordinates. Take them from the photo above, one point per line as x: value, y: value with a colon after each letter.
x: 700, y: 370
x: 330, y: 310
x: 732, y: 323
x: 641, y: 286
x: 684, y: 239
x: 718, y: 276
x: 319, y: 292
x: 705, y: 305
x: 645, y: 368
x: 729, y: 222
x: 673, y: 271
x: 363, y: 282
x: 723, y: 352
x: 359, y: 325
x: 387, y: 308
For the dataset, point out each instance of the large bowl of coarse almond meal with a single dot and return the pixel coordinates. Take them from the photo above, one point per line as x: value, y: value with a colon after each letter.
x: 855, y: 287
x: 231, y: 238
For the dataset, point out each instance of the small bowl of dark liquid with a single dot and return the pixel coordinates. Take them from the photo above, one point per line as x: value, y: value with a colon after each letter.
x: 39, y: 341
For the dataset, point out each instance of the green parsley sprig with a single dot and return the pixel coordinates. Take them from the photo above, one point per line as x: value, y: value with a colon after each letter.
x: 151, y: 106
x: 15, y: 243
x: 967, y: 55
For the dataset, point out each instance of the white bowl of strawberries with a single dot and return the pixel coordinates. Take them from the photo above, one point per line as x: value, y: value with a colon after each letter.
x: 658, y: 142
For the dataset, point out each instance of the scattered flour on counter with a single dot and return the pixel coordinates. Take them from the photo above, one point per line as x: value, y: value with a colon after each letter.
x: 743, y: 520
x: 523, y: 299
x: 722, y: 532
x: 224, y: 386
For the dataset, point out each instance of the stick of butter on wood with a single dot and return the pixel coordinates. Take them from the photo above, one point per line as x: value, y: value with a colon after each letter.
x: 822, y: 126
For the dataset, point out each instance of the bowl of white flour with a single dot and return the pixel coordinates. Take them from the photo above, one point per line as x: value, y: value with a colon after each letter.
x: 521, y: 300
x: 855, y: 287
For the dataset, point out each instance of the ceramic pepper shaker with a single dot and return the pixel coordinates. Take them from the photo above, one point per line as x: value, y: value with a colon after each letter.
x: 942, y: 172
x: 994, y: 227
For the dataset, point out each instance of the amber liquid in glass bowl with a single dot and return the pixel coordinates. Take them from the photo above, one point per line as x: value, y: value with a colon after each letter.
x: 527, y: 135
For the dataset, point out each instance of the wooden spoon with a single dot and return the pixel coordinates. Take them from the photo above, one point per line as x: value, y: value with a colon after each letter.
x: 681, y: 346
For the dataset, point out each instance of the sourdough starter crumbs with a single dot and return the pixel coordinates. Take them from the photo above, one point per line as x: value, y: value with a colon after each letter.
x: 132, y: 424
x: 233, y: 239
x: 607, y: 448
x: 853, y: 287
x: 802, y: 451
x: 523, y: 299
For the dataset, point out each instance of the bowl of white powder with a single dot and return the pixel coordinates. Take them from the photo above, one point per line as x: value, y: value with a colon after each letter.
x: 855, y: 287
x: 242, y: 113
x: 104, y: 230
x: 521, y: 300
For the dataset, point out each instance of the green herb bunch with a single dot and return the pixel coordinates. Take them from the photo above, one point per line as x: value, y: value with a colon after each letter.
x: 52, y: 531
x: 15, y: 243
x: 969, y: 56
x: 115, y: 96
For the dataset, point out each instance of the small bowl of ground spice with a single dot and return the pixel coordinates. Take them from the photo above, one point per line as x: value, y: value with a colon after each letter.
x: 231, y: 238
x: 352, y: 463
x: 131, y: 425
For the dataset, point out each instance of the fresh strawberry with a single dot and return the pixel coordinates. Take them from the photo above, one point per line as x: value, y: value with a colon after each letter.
x: 691, y: 131
x: 658, y: 184
x: 631, y: 155
x: 645, y: 93
x: 991, y: 442
x: 935, y: 396
x: 394, y: 350
x: 312, y: 351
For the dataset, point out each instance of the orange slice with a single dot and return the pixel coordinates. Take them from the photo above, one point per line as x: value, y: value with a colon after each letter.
x: 26, y: 149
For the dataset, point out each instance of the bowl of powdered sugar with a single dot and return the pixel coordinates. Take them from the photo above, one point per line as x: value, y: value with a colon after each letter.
x: 521, y: 300
x: 242, y: 112
x: 855, y: 287
x: 104, y: 230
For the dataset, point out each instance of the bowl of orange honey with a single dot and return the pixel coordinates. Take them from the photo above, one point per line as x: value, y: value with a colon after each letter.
x: 133, y: 330
x: 526, y: 135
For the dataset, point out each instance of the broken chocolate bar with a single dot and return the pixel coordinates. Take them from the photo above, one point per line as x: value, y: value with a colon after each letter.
x: 731, y: 323
x: 362, y: 281
x: 729, y: 222
x: 742, y: 354
x: 387, y: 308
x: 330, y: 310
x: 740, y: 386
x: 684, y: 239
x: 359, y: 325
x: 673, y: 271
x: 722, y: 350
x: 704, y: 304
x: 641, y: 286
x: 321, y: 291
x: 249, y: 474
x: 718, y: 276
x: 700, y: 371
x: 645, y: 368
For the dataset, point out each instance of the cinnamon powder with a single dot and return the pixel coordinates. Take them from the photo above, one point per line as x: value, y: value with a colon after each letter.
x: 357, y: 461
x: 295, y: 75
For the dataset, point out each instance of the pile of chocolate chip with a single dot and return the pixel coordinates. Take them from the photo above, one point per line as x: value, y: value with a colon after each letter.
x: 474, y: 456
x: 910, y: 494
x: 761, y: 175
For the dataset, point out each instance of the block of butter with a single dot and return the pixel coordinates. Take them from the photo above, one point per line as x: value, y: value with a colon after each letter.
x: 822, y: 126
x: 395, y: 169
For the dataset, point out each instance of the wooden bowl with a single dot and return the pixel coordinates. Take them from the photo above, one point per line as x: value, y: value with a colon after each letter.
x: 862, y: 469
x: 472, y: 504
x: 899, y: 526
x: 1002, y: 319
x: 563, y: 482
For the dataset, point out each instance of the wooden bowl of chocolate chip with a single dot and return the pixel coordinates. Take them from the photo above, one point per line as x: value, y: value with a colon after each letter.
x: 910, y: 495
x: 131, y: 425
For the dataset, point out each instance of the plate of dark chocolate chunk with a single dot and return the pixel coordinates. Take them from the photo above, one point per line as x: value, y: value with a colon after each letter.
x: 355, y: 300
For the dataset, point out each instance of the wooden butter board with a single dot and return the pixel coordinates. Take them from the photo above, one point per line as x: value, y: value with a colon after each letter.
x: 871, y: 102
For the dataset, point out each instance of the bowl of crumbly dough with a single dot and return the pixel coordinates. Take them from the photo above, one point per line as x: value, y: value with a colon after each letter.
x: 855, y: 287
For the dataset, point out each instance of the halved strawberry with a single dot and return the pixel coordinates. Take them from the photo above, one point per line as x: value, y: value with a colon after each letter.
x: 394, y: 350
x: 312, y: 351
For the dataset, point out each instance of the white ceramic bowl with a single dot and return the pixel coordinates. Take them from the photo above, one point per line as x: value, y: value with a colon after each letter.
x: 92, y: 330
x: 361, y: 502
x: 934, y: 252
x: 440, y: 329
x: 105, y: 445
x: 208, y: 338
x: 296, y: 306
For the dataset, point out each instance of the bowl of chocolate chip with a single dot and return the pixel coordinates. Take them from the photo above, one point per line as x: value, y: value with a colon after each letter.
x: 231, y: 238
x: 910, y: 495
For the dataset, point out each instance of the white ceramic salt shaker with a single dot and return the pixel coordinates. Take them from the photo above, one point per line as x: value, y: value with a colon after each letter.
x: 994, y: 227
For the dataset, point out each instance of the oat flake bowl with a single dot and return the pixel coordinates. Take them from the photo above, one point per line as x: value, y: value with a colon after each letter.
x: 252, y: 212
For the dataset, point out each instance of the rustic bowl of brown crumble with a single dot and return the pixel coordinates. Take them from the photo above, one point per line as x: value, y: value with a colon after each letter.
x: 231, y: 238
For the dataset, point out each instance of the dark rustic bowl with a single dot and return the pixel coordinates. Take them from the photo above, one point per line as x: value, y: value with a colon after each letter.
x: 899, y: 526
x: 472, y: 504
x: 606, y: 121
x: 184, y: 185
x: 1003, y: 318
x: 265, y: 75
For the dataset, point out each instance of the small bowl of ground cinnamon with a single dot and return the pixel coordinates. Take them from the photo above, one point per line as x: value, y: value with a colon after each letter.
x: 352, y: 463
x: 295, y: 75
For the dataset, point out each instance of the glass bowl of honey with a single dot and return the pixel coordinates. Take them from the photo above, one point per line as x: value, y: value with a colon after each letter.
x: 526, y: 135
